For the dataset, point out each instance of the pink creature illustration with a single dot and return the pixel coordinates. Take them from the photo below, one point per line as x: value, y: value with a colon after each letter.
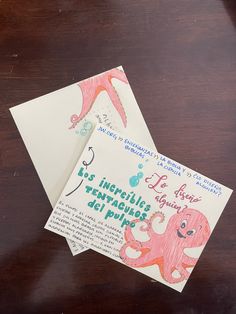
x: 187, y: 229
x: 93, y: 86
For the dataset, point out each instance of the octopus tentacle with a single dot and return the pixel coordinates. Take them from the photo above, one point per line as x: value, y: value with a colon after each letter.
x: 116, y: 102
x: 92, y: 87
x: 143, y: 247
x: 149, y: 227
x: 168, y: 274
x: 128, y: 230
x: 157, y: 215
x: 135, y: 261
x: 189, y: 261
x: 118, y: 74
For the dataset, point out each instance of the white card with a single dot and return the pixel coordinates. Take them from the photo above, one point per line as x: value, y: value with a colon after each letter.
x: 138, y: 207
x: 56, y: 127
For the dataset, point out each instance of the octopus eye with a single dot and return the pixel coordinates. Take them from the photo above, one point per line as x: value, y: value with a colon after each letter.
x: 191, y: 232
x: 183, y: 224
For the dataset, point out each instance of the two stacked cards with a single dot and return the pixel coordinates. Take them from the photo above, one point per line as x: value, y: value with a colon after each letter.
x: 109, y: 191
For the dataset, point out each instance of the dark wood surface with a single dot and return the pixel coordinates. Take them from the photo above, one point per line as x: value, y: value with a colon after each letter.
x: 180, y: 58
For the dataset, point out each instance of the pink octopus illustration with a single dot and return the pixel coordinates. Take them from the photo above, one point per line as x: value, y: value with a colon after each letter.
x: 93, y: 86
x: 187, y: 229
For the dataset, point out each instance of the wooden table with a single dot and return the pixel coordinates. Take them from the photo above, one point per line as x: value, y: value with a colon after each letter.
x: 180, y: 58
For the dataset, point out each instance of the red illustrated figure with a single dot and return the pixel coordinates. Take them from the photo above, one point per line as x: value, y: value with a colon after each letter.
x: 91, y: 88
x: 187, y: 229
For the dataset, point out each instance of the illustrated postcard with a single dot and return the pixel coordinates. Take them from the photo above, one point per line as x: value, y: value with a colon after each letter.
x: 138, y: 207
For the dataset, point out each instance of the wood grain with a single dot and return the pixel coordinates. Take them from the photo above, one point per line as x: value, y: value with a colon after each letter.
x: 180, y: 58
